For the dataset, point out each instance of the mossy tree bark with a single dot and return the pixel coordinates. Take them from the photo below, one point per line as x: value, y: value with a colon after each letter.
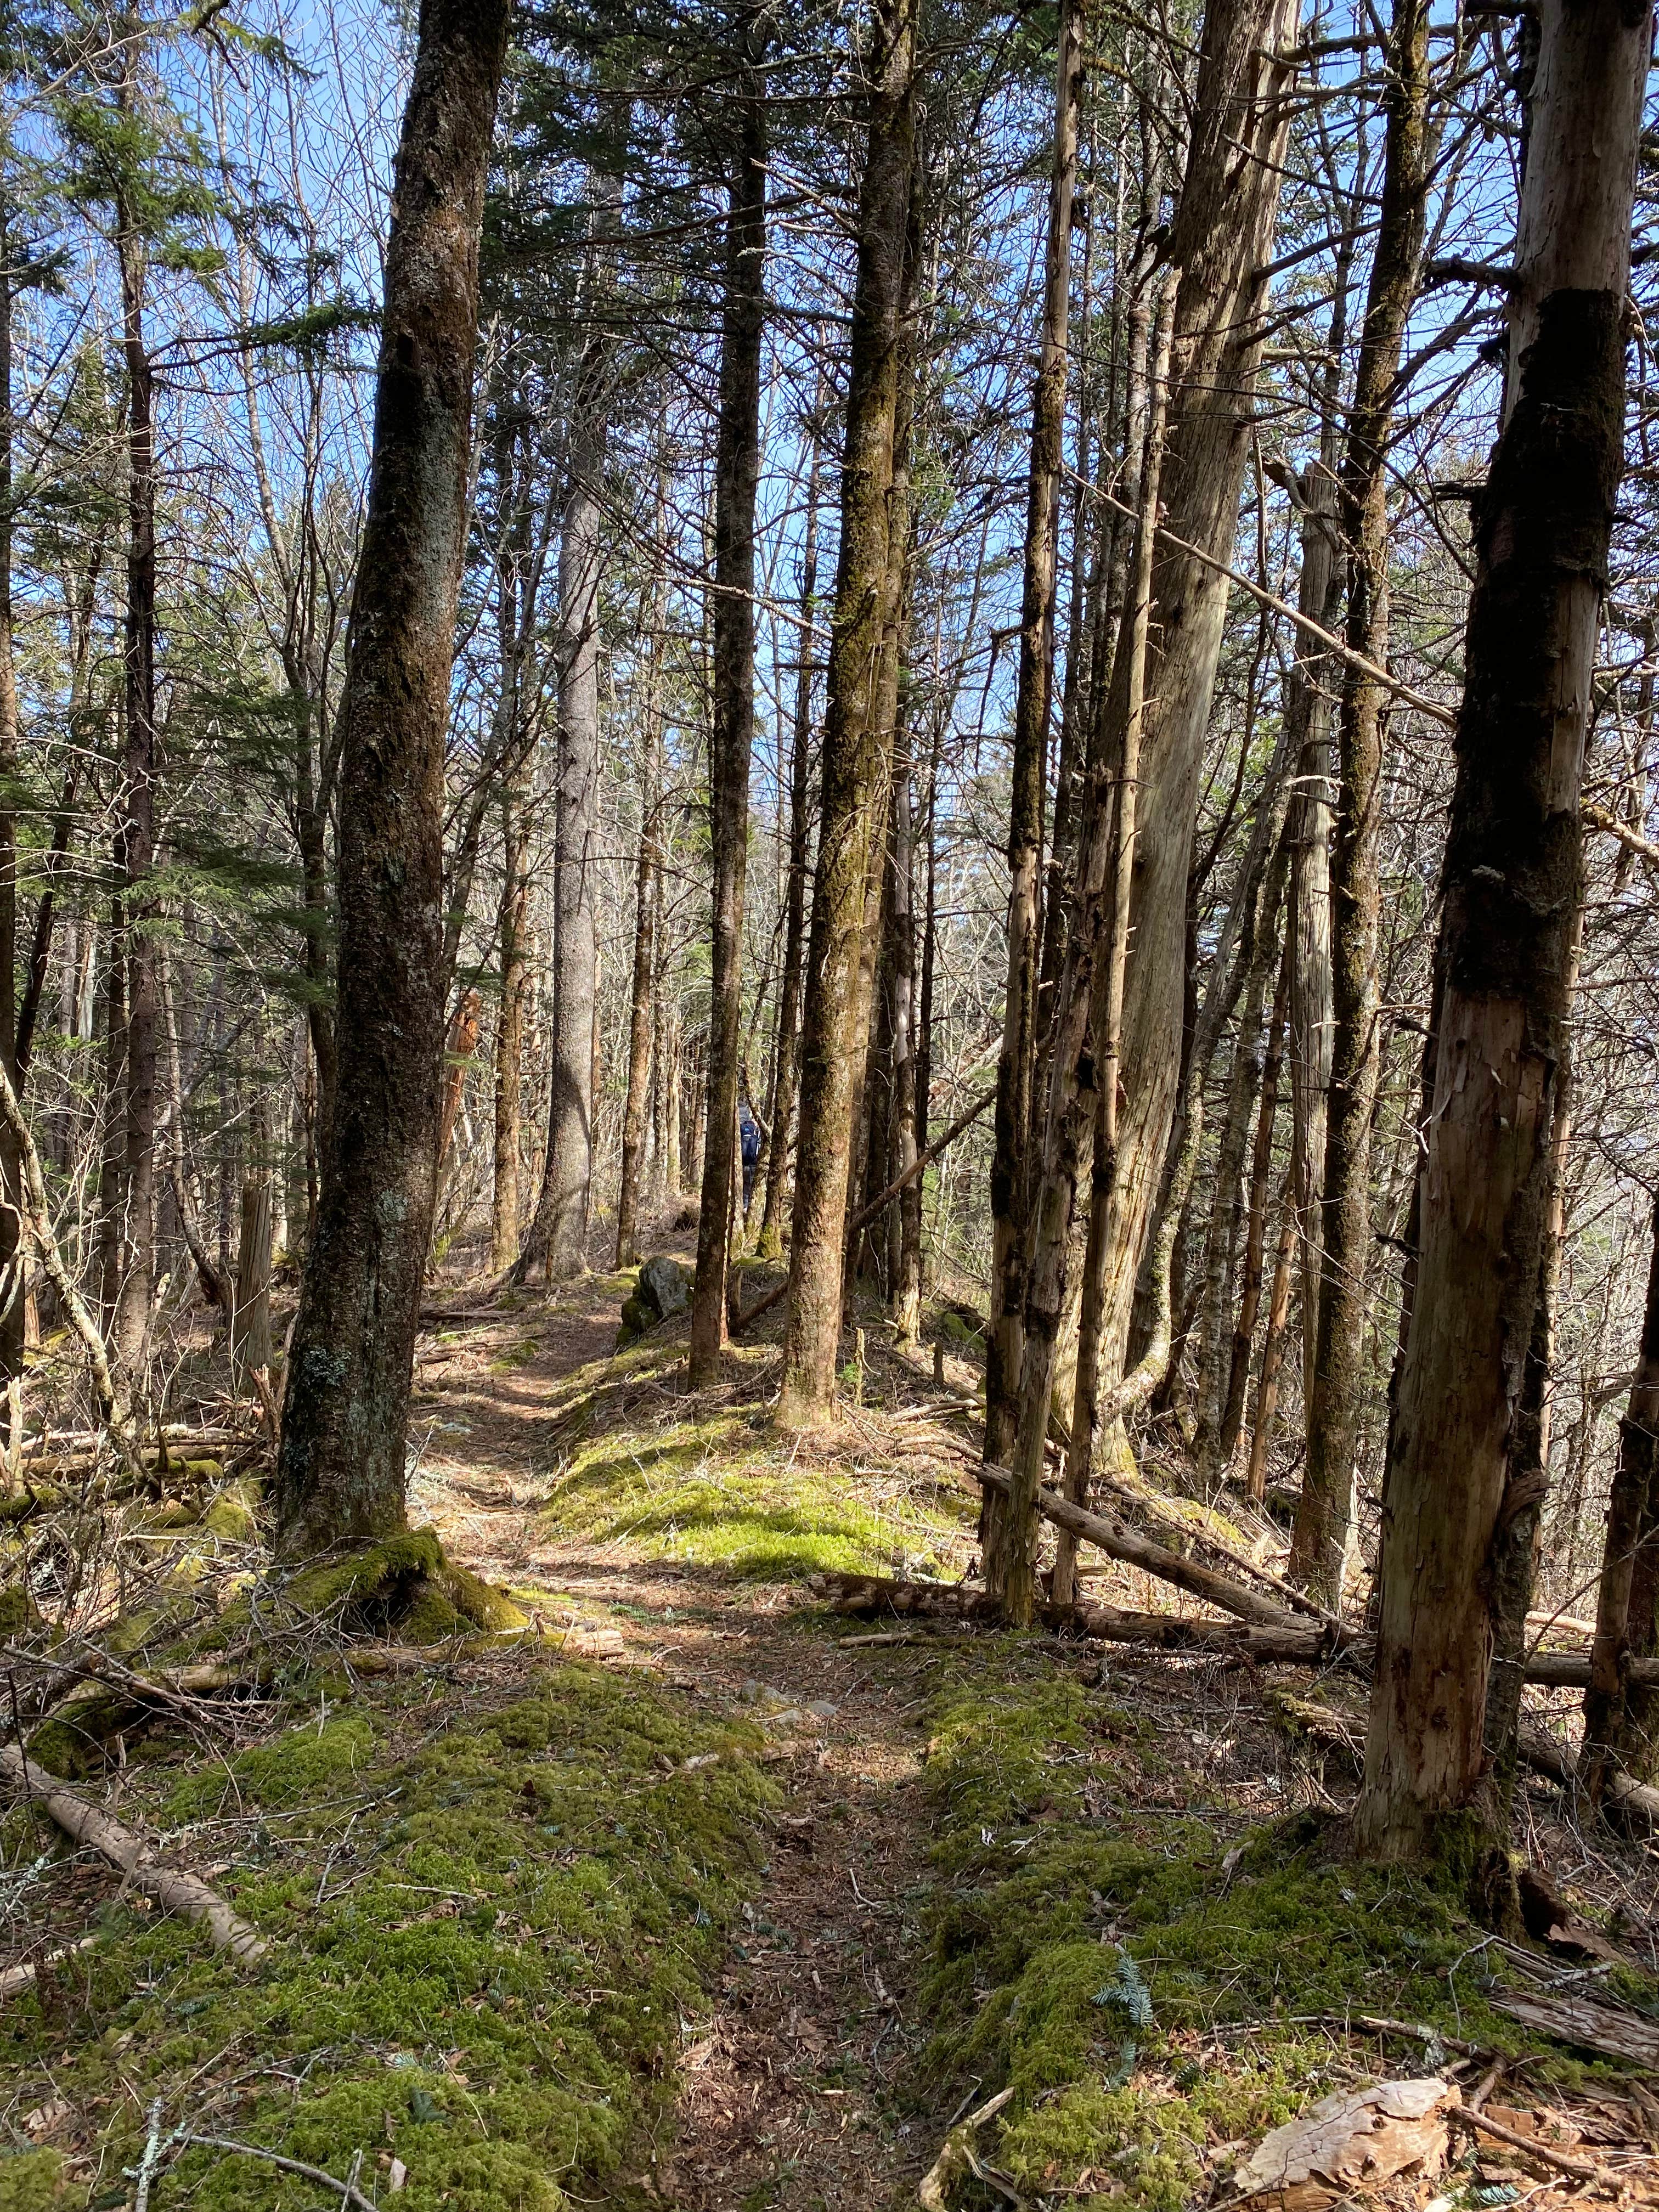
x: 1324, y: 1518
x: 1512, y: 891
x: 340, y: 1471
x: 856, y: 747
x: 737, y: 471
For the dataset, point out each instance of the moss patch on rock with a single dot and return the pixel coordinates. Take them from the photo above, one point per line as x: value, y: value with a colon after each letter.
x: 489, y: 1936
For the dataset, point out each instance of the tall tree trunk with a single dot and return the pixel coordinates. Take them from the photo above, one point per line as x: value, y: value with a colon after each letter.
x: 1511, y: 889
x: 1246, y: 1083
x: 1238, y: 1368
x: 855, y: 745
x: 513, y: 932
x: 557, y: 1243
x: 905, y: 1242
x: 137, y: 841
x: 1311, y: 1012
x: 1223, y: 238
x: 1084, y: 1076
x: 12, y: 1263
x: 1273, y: 1349
x: 641, y: 1005
x: 1619, y: 1733
x: 1324, y: 1516
x: 737, y: 471
x: 1013, y: 1165
x: 786, y: 1056
x: 340, y: 1471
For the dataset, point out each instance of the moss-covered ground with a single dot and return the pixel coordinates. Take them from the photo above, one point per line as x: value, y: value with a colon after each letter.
x: 492, y: 1900
x: 708, y: 1481
x: 530, y: 1922
x: 1160, y: 1984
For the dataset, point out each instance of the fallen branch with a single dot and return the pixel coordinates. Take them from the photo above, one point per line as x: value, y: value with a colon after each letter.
x: 1582, y: 2169
x: 347, y: 2191
x: 1119, y: 1541
x: 867, y: 1214
x: 1570, y: 1670
x: 1169, y: 1533
x: 1289, y: 1641
x: 185, y: 1894
x: 15, y: 1979
x: 952, y: 2160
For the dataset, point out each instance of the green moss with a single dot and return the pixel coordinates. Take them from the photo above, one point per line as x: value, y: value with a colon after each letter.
x: 231, y: 1515
x: 370, y: 1586
x: 1049, y: 1922
x: 34, y: 2181
x: 485, y: 1946
x: 718, y: 1491
x: 19, y: 1615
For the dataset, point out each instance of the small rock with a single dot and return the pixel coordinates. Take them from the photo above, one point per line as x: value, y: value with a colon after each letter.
x: 823, y: 1709
x: 663, y: 1290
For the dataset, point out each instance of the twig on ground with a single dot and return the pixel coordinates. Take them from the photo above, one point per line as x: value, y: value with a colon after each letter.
x: 347, y: 2190
x: 187, y: 1893
x: 1582, y: 2169
x: 953, y: 2155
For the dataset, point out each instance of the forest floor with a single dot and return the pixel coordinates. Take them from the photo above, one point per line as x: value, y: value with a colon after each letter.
x: 745, y: 1903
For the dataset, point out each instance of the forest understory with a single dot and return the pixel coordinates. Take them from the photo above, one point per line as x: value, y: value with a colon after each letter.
x: 690, y: 1890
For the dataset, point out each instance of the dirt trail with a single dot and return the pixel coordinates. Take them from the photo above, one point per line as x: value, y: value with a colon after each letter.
x: 793, y: 2090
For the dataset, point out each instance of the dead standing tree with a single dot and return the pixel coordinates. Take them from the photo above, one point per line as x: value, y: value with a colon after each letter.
x: 1511, y: 890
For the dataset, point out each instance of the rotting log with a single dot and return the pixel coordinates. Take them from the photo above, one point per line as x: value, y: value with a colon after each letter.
x: 1285, y: 1642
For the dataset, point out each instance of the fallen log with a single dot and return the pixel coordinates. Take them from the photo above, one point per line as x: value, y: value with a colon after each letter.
x: 1570, y: 1670
x: 175, y: 1892
x: 1293, y: 1642
x: 1119, y: 1541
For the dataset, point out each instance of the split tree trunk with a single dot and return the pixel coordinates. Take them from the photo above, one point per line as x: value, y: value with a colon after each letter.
x: 340, y: 1471
x: 1324, y: 1519
x: 1223, y: 238
x: 737, y: 471
x: 1512, y: 891
x: 855, y: 745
